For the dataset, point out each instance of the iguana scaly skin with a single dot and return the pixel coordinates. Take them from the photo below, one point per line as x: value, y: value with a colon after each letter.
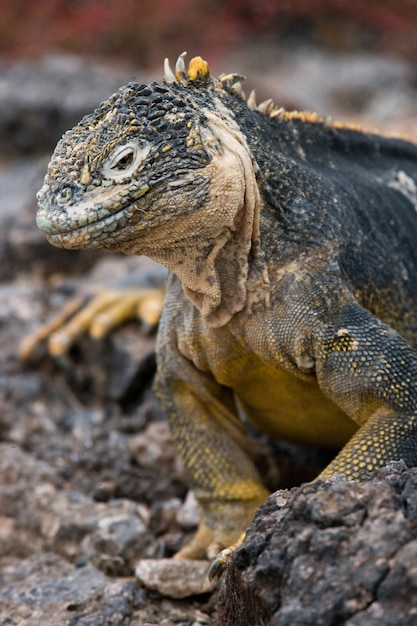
x: 292, y: 296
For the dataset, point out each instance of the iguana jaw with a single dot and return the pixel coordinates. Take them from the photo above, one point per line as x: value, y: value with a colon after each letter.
x: 89, y: 223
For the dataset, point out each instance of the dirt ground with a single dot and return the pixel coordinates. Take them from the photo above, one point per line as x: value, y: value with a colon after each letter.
x: 90, y: 484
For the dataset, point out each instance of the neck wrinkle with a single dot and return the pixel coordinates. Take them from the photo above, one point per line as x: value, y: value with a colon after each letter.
x: 221, y: 244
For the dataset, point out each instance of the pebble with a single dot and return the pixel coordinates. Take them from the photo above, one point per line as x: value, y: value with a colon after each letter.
x: 175, y: 579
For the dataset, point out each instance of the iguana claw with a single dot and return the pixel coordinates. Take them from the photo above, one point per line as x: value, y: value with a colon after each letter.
x: 218, y: 565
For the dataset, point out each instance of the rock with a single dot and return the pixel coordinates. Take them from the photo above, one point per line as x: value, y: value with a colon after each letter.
x: 175, y: 579
x: 188, y: 515
x: 153, y: 447
x: 113, y: 534
x: 334, y: 552
x: 40, y: 100
x: 19, y: 474
x: 131, y: 365
x: 118, y: 368
x: 380, y: 88
x: 119, y: 540
x: 47, y: 590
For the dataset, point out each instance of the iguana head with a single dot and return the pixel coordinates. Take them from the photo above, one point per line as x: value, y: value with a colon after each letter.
x: 161, y: 169
x: 146, y: 143
x: 105, y: 173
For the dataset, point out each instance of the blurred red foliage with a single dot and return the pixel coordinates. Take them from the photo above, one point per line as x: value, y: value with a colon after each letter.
x: 145, y: 30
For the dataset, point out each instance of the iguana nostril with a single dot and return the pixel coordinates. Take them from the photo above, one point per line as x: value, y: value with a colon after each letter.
x: 64, y: 196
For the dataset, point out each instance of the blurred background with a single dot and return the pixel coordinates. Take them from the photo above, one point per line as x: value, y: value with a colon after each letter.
x: 145, y: 30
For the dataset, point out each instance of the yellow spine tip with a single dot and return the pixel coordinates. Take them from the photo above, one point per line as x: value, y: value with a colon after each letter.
x: 198, y: 69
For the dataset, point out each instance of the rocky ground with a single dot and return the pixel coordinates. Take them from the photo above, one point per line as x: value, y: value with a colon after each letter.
x: 90, y: 484
x: 329, y: 553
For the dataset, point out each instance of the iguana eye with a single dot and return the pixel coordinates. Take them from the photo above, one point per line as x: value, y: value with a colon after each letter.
x: 124, y: 161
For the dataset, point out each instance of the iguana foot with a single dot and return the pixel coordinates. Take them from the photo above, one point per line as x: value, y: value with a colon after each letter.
x: 218, y: 564
x: 97, y: 317
x: 202, y: 546
x: 221, y: 530
x: 198, y: 549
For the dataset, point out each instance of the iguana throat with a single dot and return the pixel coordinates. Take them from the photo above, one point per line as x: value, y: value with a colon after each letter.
x: 222, y: 236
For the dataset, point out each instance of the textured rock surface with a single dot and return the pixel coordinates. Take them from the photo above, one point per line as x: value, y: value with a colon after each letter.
x: 333, y: 553
x: 48, y: 591
x: 175, y: 579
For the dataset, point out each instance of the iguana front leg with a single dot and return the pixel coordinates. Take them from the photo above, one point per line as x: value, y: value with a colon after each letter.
x: 371, y: 372
x: 212, y: 445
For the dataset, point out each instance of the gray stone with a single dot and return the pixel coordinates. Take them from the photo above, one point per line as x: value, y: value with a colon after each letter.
x: 113, y: 534
x: 47, y: 590
x: 175, y: 579
x: 119, y: 541
x: 333, y: 552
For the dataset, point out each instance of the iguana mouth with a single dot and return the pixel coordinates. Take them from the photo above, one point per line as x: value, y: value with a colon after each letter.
x: 89, y: 236
x: 88, y: 222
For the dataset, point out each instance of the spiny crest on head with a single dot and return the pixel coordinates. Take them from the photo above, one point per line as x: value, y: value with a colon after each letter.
x: 198, y: 72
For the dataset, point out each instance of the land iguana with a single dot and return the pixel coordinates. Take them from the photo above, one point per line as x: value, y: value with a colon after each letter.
x: 291, y: 302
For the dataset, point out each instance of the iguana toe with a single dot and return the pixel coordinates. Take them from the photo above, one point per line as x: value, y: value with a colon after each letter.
x: 97, y: 317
